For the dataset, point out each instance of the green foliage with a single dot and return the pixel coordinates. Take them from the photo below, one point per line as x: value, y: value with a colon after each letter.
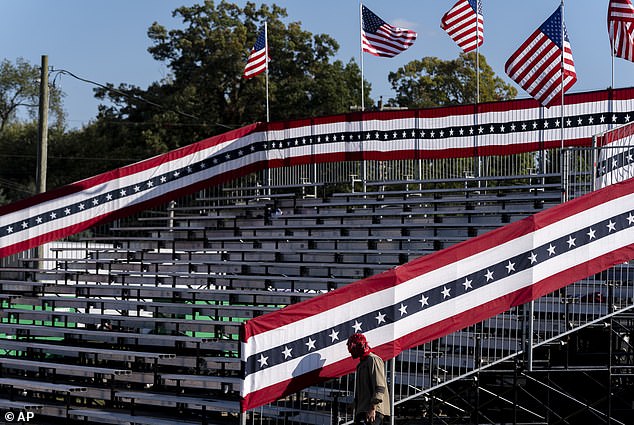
x: 206, y: 94
x: 18, y: 153
x: 3, y: 198
x: 20, y: 87
x: 433, y: 82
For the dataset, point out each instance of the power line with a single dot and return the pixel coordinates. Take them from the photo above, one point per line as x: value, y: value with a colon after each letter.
x: 82, y: 158
x: 135, y: 97
x: 16, y: 186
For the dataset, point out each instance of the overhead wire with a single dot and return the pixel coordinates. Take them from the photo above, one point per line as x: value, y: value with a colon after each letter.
x: 135, y: 97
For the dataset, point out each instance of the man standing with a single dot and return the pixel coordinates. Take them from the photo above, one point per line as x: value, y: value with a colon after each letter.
x: 371, y: 399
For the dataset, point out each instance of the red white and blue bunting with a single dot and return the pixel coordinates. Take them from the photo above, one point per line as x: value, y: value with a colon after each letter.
x: 498, y: 128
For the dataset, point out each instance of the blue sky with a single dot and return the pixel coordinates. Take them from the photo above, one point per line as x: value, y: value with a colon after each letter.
x: 106, y: 41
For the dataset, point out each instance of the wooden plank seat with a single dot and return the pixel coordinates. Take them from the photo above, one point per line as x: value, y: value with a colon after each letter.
x: 449, y: 361
x: 322, y: 237
x: 466, y: 341
x: 61, y: 261
x: 209, y: 222
x: 201, y: 381
x: 209, y: 267
x: 157, y: 231
x: 19, y: 405
x: 273, y: 187
x: 212, y: 266
x: 209, y: 308
x: 292, y: 243
x: 468, y: 191
x: 379, y: 255
x: 229, y: 243
x: 20, y: 363
x: 147, y: 242
x: 142, y: 324
x: 158, y: 279
x: 416, y: 229
x: 353, y: 201
x: 462, y: 181
x: 28, y: 346
x: 247, y: 197
x: 294, y: 283
x: 22, y: 286
x: 89, y: 251
x: 41, y: 386
x: 172, y: 400
x: 168, y: 265
x: 120, y: 338
x: 238, y: 209
x: 33, y: 273
x: 202, y: 360
x: 350, y: 224
x: 116, y: 417
x: 184, y: 218
x: 341, y: 215
x: 192, y: 294
x: 247, y: 253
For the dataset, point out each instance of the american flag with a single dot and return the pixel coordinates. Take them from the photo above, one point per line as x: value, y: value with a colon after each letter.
x: 465, y: 24
x: 621, y: 28
x: 257, y: 62
x: 536, y: 65
x: 437, y: 294
x: 382, y: 39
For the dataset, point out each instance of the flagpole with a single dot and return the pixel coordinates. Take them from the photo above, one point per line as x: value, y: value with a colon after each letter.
x: 477, y: 100
x: 266, y: 46
x: 361, y: 53
x: 563, y: 71
x: 364, y: 165
x: 564, y: 168
x: 611, y: 104
x: 477, y: 24
x: 612, y: 54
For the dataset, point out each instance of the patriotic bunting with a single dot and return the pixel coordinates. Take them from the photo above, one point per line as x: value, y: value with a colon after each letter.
x: 616, y: 156
x: 502, y: 128
x: 437, y: 294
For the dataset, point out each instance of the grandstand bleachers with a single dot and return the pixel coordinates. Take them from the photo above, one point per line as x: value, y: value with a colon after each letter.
x: 141, y: 325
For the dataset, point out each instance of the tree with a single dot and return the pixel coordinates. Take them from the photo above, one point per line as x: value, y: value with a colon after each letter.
x: 20, y: 87
x: 435, y: 82
x: 206, y: 94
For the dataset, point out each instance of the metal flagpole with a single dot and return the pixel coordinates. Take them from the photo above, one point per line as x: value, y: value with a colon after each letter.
x: 477, y: 100
x: 361, y: 53
x: 612, y: 48
x: 611, y: 104
x: 477, y: 53
x: 364, y: 165
x: 564, y: 156
x: 563, y: 70
x: 266, y: 46
x: 268, y: 117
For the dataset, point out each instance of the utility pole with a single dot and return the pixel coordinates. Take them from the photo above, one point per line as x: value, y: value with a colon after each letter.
x: 42, y: 147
